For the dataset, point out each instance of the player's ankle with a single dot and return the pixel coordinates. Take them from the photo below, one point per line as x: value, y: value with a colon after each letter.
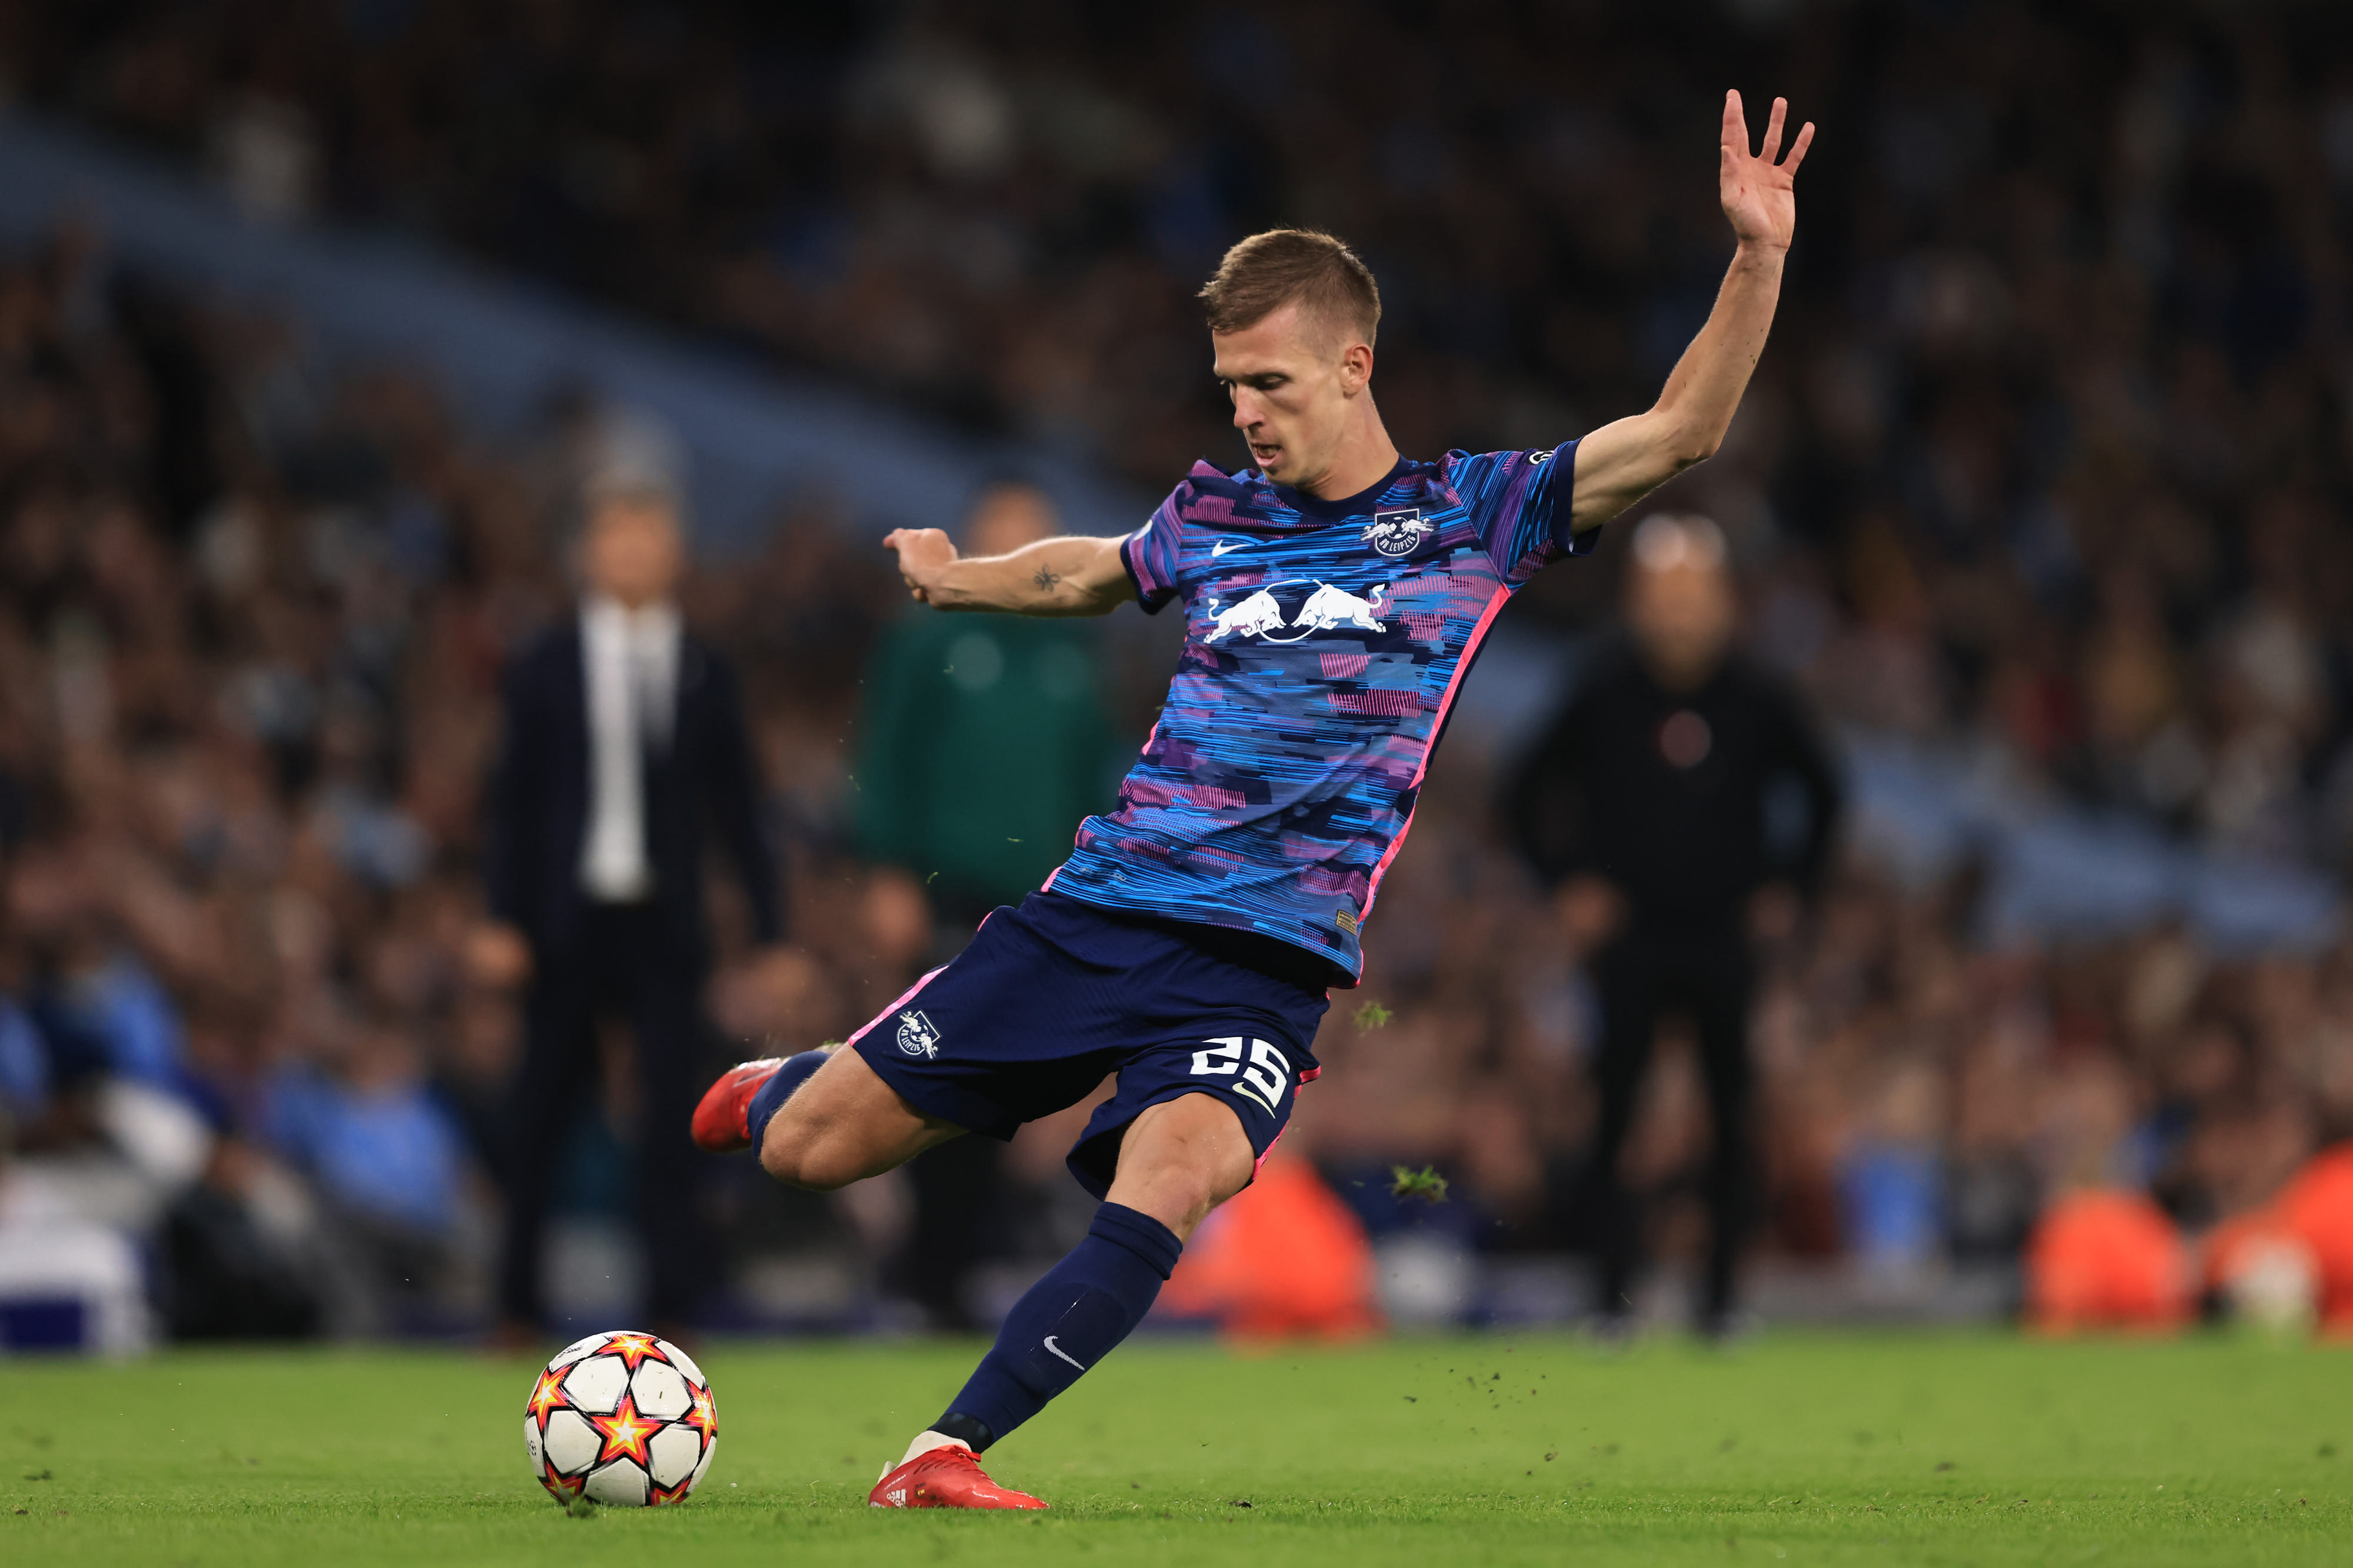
x: 770, y: 1097
x: 969, y: 1430
x: 929, y: 1439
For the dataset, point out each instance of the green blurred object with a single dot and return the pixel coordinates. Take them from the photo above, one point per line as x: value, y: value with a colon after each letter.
x: 1425, y: 1185
x: 985, y: 740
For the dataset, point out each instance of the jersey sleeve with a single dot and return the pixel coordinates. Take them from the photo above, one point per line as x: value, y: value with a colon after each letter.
x: 1150, y: 554
x: 1519, y: 501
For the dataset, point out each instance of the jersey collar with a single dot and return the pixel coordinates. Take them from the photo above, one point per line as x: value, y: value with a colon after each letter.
x: 1306, y: 505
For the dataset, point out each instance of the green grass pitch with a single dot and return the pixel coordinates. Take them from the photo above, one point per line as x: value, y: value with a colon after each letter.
x: 1798, y: 1449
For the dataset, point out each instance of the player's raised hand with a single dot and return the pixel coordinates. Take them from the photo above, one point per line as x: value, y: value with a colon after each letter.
x: 1760, y: 190
x: 921, y: 553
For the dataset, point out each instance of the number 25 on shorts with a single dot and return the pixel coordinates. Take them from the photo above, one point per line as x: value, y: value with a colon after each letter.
x: 1265, y: 1079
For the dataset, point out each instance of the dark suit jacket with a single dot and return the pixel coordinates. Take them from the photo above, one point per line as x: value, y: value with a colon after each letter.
x: 1685, y: 830
x: 538, y: 798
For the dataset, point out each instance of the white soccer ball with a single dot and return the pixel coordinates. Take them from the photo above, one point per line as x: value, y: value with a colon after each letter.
x: 622, y: 1418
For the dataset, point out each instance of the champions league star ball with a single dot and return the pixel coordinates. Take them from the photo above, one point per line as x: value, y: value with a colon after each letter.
x: 620, y: 1418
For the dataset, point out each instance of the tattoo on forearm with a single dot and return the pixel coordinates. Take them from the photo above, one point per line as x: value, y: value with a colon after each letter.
x: 1046, y: 579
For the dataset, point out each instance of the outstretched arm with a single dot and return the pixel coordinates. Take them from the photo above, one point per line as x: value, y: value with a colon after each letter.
x: 1067, y: 576
x: 1620, y: 463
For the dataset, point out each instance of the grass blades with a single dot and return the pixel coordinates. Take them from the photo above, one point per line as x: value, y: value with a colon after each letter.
x: 1796, y: 1448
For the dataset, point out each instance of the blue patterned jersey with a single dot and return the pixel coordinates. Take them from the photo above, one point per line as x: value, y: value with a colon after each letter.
x: 1325, y: 643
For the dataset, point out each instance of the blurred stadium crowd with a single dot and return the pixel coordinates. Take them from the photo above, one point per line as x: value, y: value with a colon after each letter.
x: 2054, y: 413
x: 2047, y: 461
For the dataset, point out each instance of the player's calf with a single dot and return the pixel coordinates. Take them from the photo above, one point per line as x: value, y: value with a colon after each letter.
x: 1182, y: 1158
x: 843, y: 1125
x: 1179, y: 1160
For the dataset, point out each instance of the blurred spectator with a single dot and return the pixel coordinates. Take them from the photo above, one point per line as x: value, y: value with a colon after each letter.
x: 625, y: 743
x: 985, y: 737
x: 985, y: 742
x: 1659, y: 795
x: 384, y: 1156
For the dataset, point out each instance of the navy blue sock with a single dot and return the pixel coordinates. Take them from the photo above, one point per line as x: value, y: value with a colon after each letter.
x: 770, y: 1097
x: 1068, y: 1321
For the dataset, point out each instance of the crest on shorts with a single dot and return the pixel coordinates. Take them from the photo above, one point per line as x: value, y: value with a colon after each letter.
x: 1396, y: 533
x: 916, y: 1035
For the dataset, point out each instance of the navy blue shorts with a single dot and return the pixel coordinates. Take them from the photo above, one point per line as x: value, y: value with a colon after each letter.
x: 1053, y: 996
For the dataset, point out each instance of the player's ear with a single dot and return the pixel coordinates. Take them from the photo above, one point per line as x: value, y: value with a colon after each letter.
x: 1356, y: 368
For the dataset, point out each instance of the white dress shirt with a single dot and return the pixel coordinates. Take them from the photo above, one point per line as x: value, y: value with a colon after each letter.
x: 631, y: 660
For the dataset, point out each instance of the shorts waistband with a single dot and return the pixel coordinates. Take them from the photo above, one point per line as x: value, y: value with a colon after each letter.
x: 1261, y: 954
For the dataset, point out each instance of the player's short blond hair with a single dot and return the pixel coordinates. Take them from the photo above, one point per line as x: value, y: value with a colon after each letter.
x: 1262, y: 274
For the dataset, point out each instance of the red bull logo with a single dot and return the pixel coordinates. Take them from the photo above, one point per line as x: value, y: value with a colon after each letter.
x: 1254, y: 616
x: 1327, y: 609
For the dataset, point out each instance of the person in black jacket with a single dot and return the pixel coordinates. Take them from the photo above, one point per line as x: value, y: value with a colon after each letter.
x: 625, y: 748
x: 1664, y: 801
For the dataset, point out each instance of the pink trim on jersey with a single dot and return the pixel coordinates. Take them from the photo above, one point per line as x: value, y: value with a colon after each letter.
x: 1445, y: 705
x: 909, y: 993
x: 904, y: 997
x: 1260, y: 1164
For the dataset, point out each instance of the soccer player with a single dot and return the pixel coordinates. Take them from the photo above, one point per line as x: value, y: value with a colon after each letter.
x: 1334, y: 593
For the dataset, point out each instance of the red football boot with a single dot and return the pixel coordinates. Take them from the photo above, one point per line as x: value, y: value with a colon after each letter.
x: 944, y: 1476
x: 723, y: 1123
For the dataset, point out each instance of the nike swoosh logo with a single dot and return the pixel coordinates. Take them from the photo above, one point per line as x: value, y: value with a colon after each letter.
x: 1055, y: 1349
x: 1221, y: 547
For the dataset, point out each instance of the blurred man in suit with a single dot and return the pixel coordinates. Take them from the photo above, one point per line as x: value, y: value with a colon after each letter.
x: 625, y: 747
x: 1654, y: 800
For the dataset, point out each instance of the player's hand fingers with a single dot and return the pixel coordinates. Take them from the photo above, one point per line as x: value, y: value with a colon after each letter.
x: 1772, y: 148
x: 1736, y: 125
x: 1797, y: 148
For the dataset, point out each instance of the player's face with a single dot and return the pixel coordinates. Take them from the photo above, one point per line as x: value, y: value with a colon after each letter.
x: 1290, y: 383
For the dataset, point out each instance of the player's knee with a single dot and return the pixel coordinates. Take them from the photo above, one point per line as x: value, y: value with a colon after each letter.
x: 1195, y: 1193
x: 1179, y: 1198
x: 1181, y: 1185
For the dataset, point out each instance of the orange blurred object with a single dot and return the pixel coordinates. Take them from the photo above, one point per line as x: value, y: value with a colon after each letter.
x: 2105, y: 1260
x: 2317, y: 1207
x: 1287, y: 1260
